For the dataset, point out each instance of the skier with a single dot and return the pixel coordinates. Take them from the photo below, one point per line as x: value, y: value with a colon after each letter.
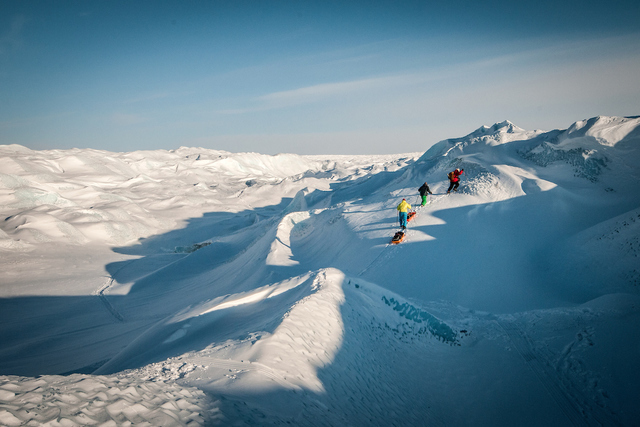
x: 403, y: 208
x: 424, y: 190
x: 454, y: 179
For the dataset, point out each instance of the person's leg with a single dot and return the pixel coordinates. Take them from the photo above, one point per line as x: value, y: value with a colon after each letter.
x: 403, y: 219
x: 424, y: 200
x: 450, y: 186
x: 456, y: 185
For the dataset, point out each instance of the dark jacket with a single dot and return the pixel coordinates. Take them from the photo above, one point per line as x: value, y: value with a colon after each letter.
x: 424, y: 189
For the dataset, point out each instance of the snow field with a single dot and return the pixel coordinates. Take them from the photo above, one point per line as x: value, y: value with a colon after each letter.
x: 265, y: 288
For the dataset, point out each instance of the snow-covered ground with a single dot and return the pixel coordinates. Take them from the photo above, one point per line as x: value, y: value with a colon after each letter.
x: 201, y: 287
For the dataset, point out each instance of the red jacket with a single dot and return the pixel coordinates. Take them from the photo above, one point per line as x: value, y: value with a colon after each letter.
x: 456, y: 176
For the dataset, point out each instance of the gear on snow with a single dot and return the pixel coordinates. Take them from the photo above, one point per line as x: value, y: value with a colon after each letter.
x: 398, y: 237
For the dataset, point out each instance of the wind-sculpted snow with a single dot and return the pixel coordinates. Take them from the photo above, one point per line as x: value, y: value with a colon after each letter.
x: 586, y: 164
x: 201, y: 287
x: 89, y: 195
x: 83, y: 400
x: 436, y: 327
x: 585, y: 145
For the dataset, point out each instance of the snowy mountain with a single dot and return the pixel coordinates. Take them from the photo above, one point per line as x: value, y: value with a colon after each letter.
x: 201, y: 287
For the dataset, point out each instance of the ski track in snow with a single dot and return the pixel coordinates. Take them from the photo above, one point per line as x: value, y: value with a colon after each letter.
x: 375, y: 260
x: 101, y: 294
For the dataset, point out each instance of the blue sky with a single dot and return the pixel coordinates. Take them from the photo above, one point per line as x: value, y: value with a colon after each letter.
x: 325, y: 77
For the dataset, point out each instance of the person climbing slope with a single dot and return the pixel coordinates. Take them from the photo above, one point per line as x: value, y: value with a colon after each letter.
x: 424, y: 190
x: 454, y: 179
x: 403, y: 208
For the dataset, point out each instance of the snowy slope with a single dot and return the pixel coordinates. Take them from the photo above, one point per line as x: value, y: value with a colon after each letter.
x: 251, y: 289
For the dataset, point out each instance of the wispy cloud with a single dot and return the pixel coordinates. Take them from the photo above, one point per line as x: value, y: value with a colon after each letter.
x: 325, y: 91
x: 511, y: 83
x: 320, y: 91
x: 12, y: 38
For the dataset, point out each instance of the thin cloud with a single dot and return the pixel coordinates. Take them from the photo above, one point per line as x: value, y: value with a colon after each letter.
x: 12, y: 39
x: 513, y: 68
x: 321, y: 92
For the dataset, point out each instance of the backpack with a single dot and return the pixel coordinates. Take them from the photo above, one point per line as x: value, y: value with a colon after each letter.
x: 450, y: 176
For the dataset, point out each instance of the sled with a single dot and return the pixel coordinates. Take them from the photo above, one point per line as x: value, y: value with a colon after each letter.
x: 399, y: 236
x: 410, y: 216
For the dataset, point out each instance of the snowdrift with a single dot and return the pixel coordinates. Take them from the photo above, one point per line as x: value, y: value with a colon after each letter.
x: 200, y: 287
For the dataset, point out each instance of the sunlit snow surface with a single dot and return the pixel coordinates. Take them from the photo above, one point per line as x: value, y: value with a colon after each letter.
x: 201, y: 287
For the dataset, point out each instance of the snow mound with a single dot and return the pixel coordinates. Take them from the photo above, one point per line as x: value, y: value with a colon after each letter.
x: 498, y: 134
x: 85, y: 196
x: 588, y: 146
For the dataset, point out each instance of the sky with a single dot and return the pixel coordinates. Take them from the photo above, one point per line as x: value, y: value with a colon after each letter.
x: 326, y: 77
